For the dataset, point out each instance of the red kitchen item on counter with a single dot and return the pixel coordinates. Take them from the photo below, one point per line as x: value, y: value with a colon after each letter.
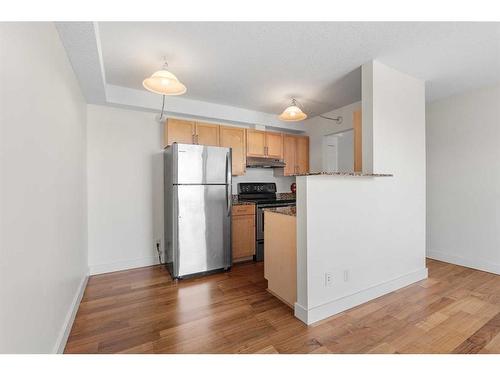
x: 293, y: 187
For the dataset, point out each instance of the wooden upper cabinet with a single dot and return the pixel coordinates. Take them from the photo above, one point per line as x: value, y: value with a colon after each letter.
x: 274, y: 145
x: 235, y: 138
x: 295, y: 155
x: 180, y: 131
x: 302, y: 156
x: 206, y: 134
x: 358, y: 143
x: 289, y: 153
x: 256, y: 143
x: 264, y: 144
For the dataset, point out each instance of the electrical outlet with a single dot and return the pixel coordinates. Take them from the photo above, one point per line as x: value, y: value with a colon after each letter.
x: 346, y: 275
x: 328, y: 279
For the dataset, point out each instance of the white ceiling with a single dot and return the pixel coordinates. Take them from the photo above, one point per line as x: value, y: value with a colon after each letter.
x: 259, y: 65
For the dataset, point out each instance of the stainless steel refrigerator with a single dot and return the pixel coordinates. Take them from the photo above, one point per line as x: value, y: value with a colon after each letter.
x: 197, y: 209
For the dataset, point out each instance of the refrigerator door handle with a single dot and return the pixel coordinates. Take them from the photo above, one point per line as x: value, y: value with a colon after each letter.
x: 228, y: 183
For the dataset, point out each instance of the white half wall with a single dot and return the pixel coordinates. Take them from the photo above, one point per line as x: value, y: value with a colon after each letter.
x: 317, y: 127
x: 125, y: 188
x: 463, y: 179
x: 368, y: 232
x: 43, y: 226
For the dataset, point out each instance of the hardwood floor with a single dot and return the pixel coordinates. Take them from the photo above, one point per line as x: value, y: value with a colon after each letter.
x: 456, y: 310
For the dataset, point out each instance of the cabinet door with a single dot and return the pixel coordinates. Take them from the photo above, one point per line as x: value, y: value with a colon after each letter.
x: 289, y: 154
x: 256, y: 143
x: 358, y: 145
x: 180, y: 131
x: 207, y: 134
x: 274, y: 145
x: 302, y: 157
x: 235, y: 138
x: 243, y: 236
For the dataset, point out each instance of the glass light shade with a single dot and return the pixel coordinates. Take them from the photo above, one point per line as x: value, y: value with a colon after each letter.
x: 164, y: 83
x: 293, y: 113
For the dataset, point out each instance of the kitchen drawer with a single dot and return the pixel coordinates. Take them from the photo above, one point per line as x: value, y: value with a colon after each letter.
x: 243, y: 209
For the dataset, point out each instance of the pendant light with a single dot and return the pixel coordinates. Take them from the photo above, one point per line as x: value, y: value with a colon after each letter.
x: 164, y: 83
x: 293, y: 113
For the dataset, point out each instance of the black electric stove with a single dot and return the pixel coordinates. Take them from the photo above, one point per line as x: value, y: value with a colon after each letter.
x: 263, y: 194
x: 260, y: 193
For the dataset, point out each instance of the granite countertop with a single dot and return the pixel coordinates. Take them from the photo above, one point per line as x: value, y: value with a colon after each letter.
x: 235, y: 201
x: 288, y: 210
x: 348, y: 174
x: 285, y: 195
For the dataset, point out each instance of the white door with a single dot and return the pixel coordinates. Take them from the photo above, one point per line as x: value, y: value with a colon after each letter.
x: 330, y: 153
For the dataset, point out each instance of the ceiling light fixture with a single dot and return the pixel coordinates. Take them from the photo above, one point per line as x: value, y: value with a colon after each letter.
x: 164, y: 83
x: 293, y: 113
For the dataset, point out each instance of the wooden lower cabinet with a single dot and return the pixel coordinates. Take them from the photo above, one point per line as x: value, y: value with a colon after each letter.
x: 243, y: 232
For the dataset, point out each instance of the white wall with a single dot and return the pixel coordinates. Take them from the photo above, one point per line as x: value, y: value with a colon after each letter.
x: 125, y: 188
x: 318, y: 127
x: 463, y: 179
x: 371, y: 227
x: 43, y: 254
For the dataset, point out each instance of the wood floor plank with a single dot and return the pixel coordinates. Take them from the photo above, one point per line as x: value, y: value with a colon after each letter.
x: 481, y: 337
x: 456, y: 309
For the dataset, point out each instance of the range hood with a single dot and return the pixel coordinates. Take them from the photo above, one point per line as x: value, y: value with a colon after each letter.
x: 256, y: 162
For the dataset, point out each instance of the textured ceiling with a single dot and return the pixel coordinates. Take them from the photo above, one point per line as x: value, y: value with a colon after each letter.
x: 259, y: 66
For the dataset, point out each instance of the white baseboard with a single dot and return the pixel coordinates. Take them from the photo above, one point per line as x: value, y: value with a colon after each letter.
x: 478, y: 264
x: 300, y: 312
x: 336, y: 306
x: 70, y: 317
x: 97, y: 269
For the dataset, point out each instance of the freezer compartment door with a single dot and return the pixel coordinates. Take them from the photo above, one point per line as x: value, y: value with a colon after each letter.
x: 203, y: 227
x: 197, y: 164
